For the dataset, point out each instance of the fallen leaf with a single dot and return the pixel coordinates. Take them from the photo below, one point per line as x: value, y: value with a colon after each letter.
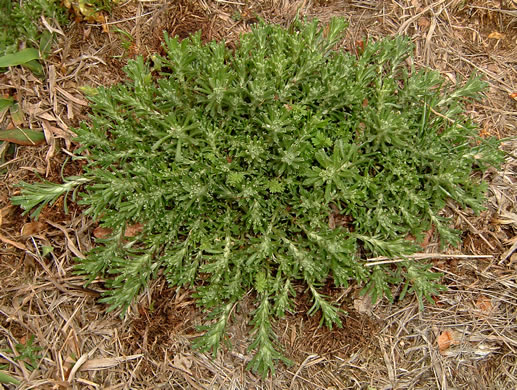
x: 484, y: 304
x: 101, y: 232
x: 133, y: 230
x: 364, y: 305
x: 32, y: 228
x: 13, y: 243
x: 423, y: 22
x: 182, y: 362
x: 446, y: 339
x: 495, y: 35
x: 71, y: 97
x: 484, y: 133
x: 506, y: 218
x: 428, y: 235
x: 359, y: 47
x: 513, y: 95
x: 6, y: 212
x: 104, y: 363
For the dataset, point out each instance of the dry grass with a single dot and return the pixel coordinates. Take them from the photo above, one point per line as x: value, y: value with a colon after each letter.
x: 385, y: 346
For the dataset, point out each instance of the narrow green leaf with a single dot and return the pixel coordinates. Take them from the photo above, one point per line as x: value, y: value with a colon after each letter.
x: 45, y: 43
x: 88, y: 91
x: 17, y: 115
x: 6, y: 103
x: 35, y: 67
x: 19, y: 58
x: 25, y: 137
x: 6, y: 378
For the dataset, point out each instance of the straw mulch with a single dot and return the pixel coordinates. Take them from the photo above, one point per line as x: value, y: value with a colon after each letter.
x: 467, y: 340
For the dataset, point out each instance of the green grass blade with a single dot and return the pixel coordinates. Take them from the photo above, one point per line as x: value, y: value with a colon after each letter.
x: 5, y: 378
x: 6, y: 103
x: 45, y: 44
x: 35, y: 67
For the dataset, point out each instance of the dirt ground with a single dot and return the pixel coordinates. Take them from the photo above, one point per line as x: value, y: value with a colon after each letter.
x: 466, y: 340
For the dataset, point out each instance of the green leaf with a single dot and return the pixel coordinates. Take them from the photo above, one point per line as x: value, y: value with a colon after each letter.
x: 39, y: 195
x: 88, y: 91
x: 45, y: 44
x: 35, y: 67
x: 214, y: 333
x: 28, y: 352
x: 266, y: 354
x: 19, y: 58
x: 17, y: 115
x: 329, y: 313
x: 6, y: 103
x: 23, y: 136
x: 6, y: 378
x: 46, y: 249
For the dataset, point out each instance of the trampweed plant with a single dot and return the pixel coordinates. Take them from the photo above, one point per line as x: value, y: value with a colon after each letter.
x: 281, y: 161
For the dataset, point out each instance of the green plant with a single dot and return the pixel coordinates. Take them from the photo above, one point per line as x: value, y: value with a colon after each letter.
x: 90, y: 10
x: 28, y: 353
x: 6, y: 378
x: 126, y: 41
x: 21, y: 26
x: 20, y: 23
x: 280, y: 162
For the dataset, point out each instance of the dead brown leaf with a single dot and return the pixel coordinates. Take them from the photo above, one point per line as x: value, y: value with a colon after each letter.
x: 32, y: 228
x: 182, y: 362
x: 423, y: 23
x: 495, y: 35
x: 484, y: 304
x: 13, y: 243
x: 133, y: 230
x: 101, y: 232
x: 104, y: 363
x: 5, y: 212
x: 427, y: 238
x: 364, y: 305
x: 446, y: 339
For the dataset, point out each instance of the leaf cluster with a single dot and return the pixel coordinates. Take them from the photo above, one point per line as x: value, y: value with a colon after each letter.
x: 281, y: 161
x: 20, y: 22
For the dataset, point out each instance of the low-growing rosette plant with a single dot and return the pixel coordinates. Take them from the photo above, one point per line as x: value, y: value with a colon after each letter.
x: 281, y: 161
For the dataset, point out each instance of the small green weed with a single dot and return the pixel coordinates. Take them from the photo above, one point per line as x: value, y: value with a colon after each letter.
x: 127, y: 41
x: 20, y: 23
x: 279, y: 162
x: 28, y: 353
x: 22, y: 31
